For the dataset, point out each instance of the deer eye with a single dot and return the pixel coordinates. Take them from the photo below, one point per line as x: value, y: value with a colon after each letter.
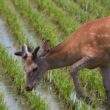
x: 35, y: 69
x: 25, y: 56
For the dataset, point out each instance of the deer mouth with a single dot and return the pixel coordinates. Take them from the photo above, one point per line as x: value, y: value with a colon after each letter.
x: 28, y: 88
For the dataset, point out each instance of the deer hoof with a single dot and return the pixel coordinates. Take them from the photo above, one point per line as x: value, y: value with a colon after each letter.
x: 88, y: 100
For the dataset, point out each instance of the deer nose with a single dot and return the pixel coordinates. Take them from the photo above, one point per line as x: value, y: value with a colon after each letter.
x: 28, y: 88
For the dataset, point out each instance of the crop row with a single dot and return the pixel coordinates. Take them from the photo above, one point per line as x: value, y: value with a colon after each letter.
x: 90, y: 6
x: 43, y: 26
x: 6, y: 13
x: 105, y: 4
x: 74, y: 10
x: 2, y: 103
x: 66, y: 22
x: 65, y: 90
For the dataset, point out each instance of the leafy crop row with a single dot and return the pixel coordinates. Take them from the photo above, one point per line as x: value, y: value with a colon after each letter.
x: 44, y: 27
x: 66, y: 22
x: 74, y: 10
x: 12, y: 22
x: 104, y: 3
x: 90, y: 6
x: 2, y: 103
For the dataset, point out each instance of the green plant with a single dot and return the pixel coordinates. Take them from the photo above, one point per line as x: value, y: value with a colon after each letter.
x: 66, y: 22
x: 13, y: 22
x: 74, y: 10
x: 93, y: 7
x: 44, y: 27
x: 2, y: 103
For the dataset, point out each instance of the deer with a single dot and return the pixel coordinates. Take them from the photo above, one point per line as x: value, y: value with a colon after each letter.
x: 87, y: 47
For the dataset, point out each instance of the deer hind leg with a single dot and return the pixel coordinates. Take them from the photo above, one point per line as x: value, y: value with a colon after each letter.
x: 105, y: 72
x: 84, y: 62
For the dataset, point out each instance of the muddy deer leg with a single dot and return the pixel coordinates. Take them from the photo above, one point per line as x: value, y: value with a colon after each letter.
x: 76, y: 67
x: 105, y: 72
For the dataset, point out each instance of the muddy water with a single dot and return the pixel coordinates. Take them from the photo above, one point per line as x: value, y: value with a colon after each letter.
x: 45, y: 92
x: 13, y: 102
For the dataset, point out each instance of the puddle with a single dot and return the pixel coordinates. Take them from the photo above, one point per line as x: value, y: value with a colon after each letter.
x: 12, y: 101
x: 45, y: 92
x: 6, y: 39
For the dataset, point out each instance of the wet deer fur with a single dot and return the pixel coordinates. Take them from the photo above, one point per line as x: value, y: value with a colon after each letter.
x: 88, y: 47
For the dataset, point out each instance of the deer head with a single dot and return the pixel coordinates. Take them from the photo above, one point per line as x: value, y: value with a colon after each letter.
x: 34, y: 63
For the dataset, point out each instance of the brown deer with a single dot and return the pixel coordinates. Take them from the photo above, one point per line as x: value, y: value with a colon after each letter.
x: 88, y: 47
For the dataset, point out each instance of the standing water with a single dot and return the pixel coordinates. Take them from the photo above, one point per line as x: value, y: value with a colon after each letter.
x: 10, y: 96
x: 13, y: 102
x: 45, y: 92
x: 6, y: 39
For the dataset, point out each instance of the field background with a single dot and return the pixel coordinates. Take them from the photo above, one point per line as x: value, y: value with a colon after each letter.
x: 32, y: 22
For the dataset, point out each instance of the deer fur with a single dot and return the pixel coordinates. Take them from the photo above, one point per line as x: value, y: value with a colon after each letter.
x: 88, y: 47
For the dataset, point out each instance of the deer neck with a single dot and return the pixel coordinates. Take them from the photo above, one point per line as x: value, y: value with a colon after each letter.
x: 61, y: 56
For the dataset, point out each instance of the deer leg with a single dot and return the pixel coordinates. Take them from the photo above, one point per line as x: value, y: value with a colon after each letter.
x: 105, y: 72
x: 84, y: 62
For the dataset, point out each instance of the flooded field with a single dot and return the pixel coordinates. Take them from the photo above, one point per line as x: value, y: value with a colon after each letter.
x: 12, y: 100
x: 32, y: 22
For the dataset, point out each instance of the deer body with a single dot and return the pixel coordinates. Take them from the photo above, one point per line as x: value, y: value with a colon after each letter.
x: 92, y: 40
x: 88, y: 47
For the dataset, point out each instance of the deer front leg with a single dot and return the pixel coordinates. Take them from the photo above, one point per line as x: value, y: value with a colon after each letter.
x: 84, y: 62
x: 105, y: 72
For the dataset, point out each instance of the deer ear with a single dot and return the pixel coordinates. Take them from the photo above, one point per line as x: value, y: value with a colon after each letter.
x: 46, y: 46
x: 18, y: 53
x: 35, y: 52
x: 25, y: 50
